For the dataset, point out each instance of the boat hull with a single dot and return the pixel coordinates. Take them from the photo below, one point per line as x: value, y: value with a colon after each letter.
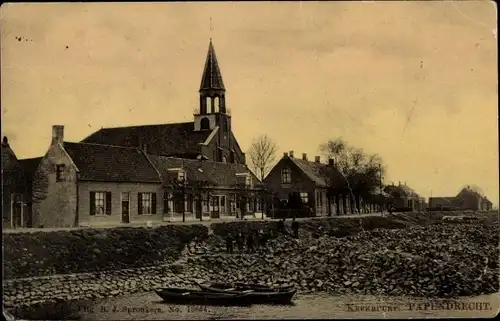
x: 193, y: 297
x: 261, y: 295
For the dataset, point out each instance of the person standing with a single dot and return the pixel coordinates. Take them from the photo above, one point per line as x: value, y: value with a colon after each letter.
x: 295, y: 228
x: 229, y: 244
x: 240, y: 241
x: 250, y: 241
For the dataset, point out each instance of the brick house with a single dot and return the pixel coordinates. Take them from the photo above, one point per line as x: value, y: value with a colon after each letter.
x: 467, y: 199
x: 404, y: 197
x: 305, y: 179
x: 122, y: 175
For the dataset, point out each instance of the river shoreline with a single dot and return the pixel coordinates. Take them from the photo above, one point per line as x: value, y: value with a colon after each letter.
x: 147, y: 306
x: 399, y: 255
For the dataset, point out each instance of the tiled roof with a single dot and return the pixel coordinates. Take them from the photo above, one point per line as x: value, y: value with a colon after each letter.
x: 178, y: 139
x: 215, y: 173
x: 212, y: 77
x: 111, y: 163
x: 30, y: 165
x: 315, y: 171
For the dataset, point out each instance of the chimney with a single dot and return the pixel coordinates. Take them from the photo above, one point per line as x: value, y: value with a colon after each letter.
x: 285, y: 154
x: 304, y: 156
x: 316, y: 159
x: 331, y: 162
x: 57, y: 134
x: 291, y: 153
x: 5, y: 142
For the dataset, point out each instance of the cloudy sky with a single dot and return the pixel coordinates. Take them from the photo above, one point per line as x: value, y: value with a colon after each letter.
x: 415, y: 82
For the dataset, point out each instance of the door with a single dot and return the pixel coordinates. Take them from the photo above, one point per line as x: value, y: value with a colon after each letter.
x: 126, y: 207
x: 198, y: 208
x: 214, y: 207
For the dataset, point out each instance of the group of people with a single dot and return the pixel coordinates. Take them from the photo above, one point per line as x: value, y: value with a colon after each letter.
x: 256, y: 239
x: 253, y: 240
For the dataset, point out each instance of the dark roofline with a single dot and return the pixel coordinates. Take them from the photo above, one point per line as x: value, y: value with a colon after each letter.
x: 115, y: 181
x: 95, y: 144
x: 162, y: 124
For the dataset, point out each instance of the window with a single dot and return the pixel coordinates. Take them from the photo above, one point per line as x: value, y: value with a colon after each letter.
x: 125, y: 202
x: 248, y: 180
x: 166, y: 202
x: 304, y: 197
x: 205, y: 206
x: 233, y: 203
x: 146, y: 203
x: 286, y: 176
x: 216, y: 104
x: 319, y: 198
x: 181, y: 176
x: 205, y: 123
x: 60, y: 172
x: 209, y: 105
x: 100, y: 203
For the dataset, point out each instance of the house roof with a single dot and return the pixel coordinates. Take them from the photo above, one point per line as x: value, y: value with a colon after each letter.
x: 315, y: 171
x: 442, y: 200
x: 30, y: 165
x: 214, y: 173
x: 177, y: 139
x: 212, y: 77
x: 97, y: 162
x: 401, y: 189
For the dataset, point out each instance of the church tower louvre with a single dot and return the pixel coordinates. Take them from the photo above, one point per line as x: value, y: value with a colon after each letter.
x: 212, y: 111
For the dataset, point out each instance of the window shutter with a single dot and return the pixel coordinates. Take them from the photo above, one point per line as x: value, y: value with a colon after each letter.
x: 108, y: 203
x: 139, y: 203
x: 153, y: 203
x: 92, y: 203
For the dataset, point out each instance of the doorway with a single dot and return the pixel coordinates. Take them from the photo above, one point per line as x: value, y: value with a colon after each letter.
x: 125, y: 207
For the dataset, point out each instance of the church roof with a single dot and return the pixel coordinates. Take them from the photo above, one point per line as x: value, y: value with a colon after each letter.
x: 178, y: 139
x: 212, y: 77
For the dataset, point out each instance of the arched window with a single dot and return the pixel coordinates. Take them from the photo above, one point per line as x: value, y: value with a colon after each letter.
x: 209, y: 105
x: 205, y: 123
x: 216, y: 105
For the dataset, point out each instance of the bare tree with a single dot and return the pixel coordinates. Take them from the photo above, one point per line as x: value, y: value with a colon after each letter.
x: 357, y: 174
x: 262, y: 154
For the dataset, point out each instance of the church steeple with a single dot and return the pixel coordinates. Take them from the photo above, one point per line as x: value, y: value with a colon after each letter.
x: 212, y: 77
x: 212, y: 90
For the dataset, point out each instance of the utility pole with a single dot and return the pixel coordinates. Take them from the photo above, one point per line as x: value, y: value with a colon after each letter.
x: 380, y: 186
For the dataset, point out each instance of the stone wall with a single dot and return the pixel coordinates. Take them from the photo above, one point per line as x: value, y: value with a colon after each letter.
x: 89, y: 250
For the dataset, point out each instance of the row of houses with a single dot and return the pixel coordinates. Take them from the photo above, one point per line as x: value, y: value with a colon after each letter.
x: 169, y: 172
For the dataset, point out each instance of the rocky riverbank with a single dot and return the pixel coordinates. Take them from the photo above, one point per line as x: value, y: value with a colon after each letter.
x: 339, y: 256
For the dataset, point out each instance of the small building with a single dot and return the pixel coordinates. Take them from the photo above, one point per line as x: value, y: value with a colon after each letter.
x: 405, y: 198
x: 304, y: 179
x: 468, y: 198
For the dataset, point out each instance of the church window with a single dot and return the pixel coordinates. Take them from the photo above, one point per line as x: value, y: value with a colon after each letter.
x: 205, y: 123
x: 209, y: 105
x: 216, y: 104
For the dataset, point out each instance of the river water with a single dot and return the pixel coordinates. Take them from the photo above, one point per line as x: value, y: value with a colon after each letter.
x: 148, y: 306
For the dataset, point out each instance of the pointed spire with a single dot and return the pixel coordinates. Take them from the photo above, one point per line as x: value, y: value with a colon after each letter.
x: 212, y: 77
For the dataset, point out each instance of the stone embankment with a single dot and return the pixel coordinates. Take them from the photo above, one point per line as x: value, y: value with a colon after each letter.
x: 403, y: 254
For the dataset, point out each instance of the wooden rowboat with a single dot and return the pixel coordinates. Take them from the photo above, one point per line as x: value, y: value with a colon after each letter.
x: 185, y: 296
x: 256, y: 295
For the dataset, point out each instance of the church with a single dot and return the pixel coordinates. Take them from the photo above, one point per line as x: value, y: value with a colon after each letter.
x: 141, y: 174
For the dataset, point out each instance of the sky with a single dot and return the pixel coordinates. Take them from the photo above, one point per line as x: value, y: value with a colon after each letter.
x: 415, y: 82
